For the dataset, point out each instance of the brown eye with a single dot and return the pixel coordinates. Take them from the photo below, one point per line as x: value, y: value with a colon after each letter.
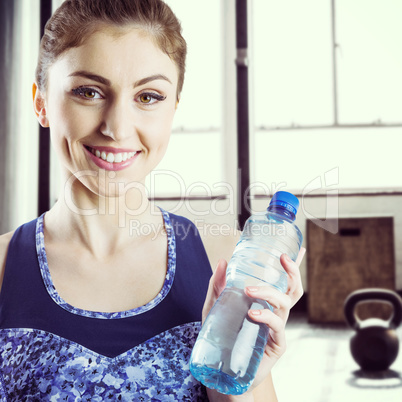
x: 149, y: 98
x: 145, y: 98
x: 86, y: 93
x: 90, y: 94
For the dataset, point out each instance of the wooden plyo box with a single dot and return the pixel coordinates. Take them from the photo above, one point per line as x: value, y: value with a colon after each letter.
x: 360, y: 255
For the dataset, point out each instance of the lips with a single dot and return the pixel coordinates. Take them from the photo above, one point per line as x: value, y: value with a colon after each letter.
x: 111, y: 158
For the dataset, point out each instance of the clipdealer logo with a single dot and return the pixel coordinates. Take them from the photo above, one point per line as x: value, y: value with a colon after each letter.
x: 329, y: 183
x: 325, y: 188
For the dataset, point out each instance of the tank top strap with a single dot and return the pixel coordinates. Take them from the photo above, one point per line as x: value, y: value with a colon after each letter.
x: 22, y: 280
x: 193, y: 269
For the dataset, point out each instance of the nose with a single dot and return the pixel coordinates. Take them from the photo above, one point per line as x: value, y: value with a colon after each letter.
x: 117, y: 120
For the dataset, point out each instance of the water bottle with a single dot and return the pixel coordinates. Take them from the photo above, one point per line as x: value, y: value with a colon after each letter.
x: 230, y: 345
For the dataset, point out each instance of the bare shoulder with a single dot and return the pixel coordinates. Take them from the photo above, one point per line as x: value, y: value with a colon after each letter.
x: 4, y: 242
x: 219, y: 241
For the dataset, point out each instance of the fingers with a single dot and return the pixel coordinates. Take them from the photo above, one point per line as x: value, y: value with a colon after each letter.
x: 295, y: 286
x: 281, y: 303
x: 300, y: 256
x: 275, y: 323
x: 218, y: 279
x: 216, y: 285
x: 276, y: 319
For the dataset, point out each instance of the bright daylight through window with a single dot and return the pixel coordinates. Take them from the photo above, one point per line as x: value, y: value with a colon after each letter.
x: 296, y: 103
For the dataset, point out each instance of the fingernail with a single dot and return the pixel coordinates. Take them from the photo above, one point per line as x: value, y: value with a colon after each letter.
x: 287, y: 258
x: 255, y: 312
x: 252, y: 289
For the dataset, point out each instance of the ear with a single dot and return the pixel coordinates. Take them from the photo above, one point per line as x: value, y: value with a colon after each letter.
x: 39, y: 106
x: 177, y: 103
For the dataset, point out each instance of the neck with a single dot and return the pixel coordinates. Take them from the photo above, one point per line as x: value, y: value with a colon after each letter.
x: 102, y: 223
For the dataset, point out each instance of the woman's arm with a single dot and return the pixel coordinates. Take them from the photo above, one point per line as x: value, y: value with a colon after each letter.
x: 265, y: 391
x: 4, y: 242
x: 219, y: 242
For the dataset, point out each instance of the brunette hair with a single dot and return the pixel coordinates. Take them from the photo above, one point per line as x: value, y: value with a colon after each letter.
x: 75, y: 20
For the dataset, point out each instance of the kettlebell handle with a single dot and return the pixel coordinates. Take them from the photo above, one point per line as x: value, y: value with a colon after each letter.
x: 372, y: 294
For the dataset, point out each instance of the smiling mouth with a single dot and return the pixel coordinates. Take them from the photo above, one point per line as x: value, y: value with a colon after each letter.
x: 112, y: 157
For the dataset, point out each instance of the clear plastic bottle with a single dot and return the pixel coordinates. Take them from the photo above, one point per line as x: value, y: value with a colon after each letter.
x: 230, y: 346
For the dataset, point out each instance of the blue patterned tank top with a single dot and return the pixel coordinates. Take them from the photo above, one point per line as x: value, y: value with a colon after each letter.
x: 52, y: 351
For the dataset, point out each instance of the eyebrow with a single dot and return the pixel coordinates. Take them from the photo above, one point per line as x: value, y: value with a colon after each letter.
x: 105, y: 81
x: 151, y: 78
x: 93, y: 77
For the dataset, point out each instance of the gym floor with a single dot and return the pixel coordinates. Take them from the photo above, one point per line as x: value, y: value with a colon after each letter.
x: 318, y: 367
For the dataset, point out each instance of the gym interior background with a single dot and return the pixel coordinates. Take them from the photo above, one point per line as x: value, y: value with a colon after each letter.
x: 297, y: 95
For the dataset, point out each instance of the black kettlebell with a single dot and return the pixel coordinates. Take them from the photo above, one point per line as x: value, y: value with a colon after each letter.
x: 375, y: 345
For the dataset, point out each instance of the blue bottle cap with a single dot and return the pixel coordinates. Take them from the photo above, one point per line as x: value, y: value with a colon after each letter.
x: 286, y: 200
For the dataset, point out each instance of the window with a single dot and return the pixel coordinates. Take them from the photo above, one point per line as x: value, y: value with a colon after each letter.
x: 310, y: 119
x: 23, y: 135
x: 193, y: 162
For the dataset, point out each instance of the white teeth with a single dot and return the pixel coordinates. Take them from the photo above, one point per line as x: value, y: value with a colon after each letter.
x: 111, y: 157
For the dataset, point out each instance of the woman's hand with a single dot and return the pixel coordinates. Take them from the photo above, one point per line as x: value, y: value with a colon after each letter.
x: 275, y: 320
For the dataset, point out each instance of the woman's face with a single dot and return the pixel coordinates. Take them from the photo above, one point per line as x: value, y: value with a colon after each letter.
x: 109, y: 105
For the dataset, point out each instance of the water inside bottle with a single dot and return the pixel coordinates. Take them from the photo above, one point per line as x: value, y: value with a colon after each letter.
x: 231, y: 351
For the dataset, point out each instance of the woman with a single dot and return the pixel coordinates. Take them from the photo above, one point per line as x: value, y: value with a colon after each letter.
x: 89, y: 309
